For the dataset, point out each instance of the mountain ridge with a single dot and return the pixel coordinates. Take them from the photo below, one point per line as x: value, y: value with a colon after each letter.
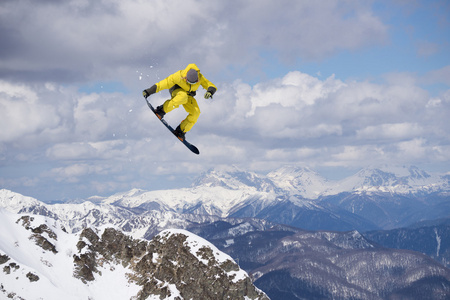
x: 230, y: 205
x: 40, y: 259
x: 356, y: 202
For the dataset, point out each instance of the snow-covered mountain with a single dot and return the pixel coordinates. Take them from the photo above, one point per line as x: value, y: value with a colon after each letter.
x: 230, y: 202
x: 225, y: 190
x: 40, y: 260
x: 299, y: 181
x: 397, y: 180
x: 233, y: 178
x: 370, y: 199
x: 139, y: 223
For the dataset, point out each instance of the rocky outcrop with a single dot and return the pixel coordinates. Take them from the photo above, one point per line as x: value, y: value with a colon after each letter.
x: 41, y: 234
x: 173, y: 264
x: 177, y: 262
x: 3, y: 259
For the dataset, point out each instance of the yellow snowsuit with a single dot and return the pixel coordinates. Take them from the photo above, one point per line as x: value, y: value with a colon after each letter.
x: 182, y: 93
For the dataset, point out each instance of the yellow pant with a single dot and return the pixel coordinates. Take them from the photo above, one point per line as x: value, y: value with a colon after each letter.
x: 180, y: 97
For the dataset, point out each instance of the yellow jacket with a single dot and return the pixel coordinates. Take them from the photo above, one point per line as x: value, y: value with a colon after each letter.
x: 177, y: 80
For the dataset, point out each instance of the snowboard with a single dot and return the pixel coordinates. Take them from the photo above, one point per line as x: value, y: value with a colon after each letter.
x: 186, y: 143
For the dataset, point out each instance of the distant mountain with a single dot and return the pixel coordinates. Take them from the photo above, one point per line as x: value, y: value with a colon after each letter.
x: 371, y: 199
x: 312, y: 215
x: 290, y: 263
x: 430, y: 240
x: 391, y: 210
x: 233, y: 178
x: 395, y: 180
x: 40, y: 260
x: 139, y: 223
x: 298, y: 181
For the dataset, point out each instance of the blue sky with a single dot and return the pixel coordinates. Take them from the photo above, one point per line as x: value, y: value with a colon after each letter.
x: 416, y: 41
x: 333, y: 85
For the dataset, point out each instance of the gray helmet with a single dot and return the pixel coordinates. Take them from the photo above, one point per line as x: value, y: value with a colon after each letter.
x: 192, y: 76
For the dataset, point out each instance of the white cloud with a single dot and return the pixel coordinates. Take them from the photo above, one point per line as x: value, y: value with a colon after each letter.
x: 96, y: 140
x: 71, y: 151
x: 413, y: 149
x: 80, y: 40
x: 396, y: 131
x: 357, y: 156
x: 22, y: 114
x: 295, y: 90
x: 112, y: 149
x: 110, y: 137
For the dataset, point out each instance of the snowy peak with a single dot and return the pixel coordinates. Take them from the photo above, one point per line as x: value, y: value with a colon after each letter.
x: 416, y: 173
x: 233, y: 178
x: 15, y: 202
x: 390, y: 179
x: 375, y: 177
x: 299, y: 181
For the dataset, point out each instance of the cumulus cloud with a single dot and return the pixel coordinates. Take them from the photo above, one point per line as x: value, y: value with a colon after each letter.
x: 295, y: 90
x: 22, y: 114
x: 343, y: 123
x: 397, y: 131
x: 94, y: 141
x: 90, y: 40
x: 296, y: 118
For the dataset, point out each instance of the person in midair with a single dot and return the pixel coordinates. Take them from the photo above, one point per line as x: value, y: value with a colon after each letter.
x: 182, y: 86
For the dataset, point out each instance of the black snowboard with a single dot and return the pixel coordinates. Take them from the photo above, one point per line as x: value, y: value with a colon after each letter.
x: 186, y: 143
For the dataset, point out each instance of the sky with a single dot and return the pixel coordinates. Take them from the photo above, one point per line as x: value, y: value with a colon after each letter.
x: 333, y: 85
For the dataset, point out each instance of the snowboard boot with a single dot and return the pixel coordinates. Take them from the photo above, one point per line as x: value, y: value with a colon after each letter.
x: 160, y: 112
x: 180, y: 133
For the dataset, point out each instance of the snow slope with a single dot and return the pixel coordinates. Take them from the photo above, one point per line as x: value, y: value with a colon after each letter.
x: 55, y: 270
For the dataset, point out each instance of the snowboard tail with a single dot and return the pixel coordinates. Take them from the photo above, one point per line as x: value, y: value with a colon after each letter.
x: 185, y: 142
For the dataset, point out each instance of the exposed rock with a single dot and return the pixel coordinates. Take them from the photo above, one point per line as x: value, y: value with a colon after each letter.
x: 26, y: 221
x: 7, y: 269
x: 11, y: 267
x: 38, y: 234
x: 85, y: 262
x: 167, y: 266
x: 43, y: 243
x: 44, y: 228
x: 32, y: 277
x: 3, y: 259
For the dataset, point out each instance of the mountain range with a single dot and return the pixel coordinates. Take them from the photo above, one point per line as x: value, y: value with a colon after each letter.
x: 299, y: 225
x: 369, y: 200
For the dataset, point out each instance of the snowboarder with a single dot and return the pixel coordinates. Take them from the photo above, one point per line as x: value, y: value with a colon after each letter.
x: 182, y: 86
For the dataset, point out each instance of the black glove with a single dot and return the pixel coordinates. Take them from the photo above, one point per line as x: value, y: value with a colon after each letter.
x: 208, y: 95
x: 146, y: 93
x: 210, y: 92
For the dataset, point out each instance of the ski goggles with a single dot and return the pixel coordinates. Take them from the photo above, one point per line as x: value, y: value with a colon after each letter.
x: 187, y: 80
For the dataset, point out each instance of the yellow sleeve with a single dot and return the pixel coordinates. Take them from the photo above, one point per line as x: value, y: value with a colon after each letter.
x: 169, y: 82
x: 206, y: 83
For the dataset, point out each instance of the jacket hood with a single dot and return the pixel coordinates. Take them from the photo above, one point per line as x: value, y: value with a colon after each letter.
x: 190, y: 66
